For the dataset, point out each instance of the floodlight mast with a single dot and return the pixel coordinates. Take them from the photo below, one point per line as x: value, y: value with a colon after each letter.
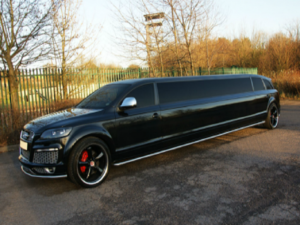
x: 151, y: 17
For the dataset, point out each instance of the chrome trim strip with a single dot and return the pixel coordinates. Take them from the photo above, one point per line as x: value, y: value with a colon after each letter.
x: 47, y: 150
x: 252, y: 84
x: 180, y: 146
x: 39, y: 176
x: 216, y: 124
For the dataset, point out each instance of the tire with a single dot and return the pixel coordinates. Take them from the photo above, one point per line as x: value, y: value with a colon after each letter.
x: 272, y: 119
x: 89, y: 162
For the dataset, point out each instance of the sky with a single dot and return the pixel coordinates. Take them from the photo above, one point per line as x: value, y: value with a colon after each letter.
x: 270, y: 16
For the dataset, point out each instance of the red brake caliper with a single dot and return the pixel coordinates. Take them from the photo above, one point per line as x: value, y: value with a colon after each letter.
x: 84, y: 157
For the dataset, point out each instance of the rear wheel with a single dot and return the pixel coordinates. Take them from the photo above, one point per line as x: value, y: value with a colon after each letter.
x: 273, y: 117
x: 89, y: 162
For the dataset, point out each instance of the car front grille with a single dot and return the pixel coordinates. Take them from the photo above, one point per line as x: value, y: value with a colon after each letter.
x: 25, y: 154
x: 45, y: 157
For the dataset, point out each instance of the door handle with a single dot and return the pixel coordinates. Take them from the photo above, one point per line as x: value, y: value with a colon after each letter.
x: 155, y: 116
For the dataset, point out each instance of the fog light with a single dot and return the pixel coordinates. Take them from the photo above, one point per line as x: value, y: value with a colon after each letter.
x: 44, y: 170
x: 50, y: 170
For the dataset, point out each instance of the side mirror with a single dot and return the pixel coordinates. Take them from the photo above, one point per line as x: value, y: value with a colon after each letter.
x: 129, y: 102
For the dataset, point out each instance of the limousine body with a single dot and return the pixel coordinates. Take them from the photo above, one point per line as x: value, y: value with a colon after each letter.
x: 133, y: 119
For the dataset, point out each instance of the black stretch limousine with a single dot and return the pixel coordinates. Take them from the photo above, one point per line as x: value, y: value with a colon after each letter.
x: 130, y: 120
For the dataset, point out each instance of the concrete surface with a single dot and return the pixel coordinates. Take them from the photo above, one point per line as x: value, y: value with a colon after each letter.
x: 247, y: 177
x: 9, y: 148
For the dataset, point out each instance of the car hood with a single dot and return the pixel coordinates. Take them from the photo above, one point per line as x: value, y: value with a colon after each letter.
x: 53, y: 118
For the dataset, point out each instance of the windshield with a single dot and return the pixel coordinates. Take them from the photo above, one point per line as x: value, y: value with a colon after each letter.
x: 102, y: 97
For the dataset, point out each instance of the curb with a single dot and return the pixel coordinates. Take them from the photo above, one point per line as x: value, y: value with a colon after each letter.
x: 9, y: 148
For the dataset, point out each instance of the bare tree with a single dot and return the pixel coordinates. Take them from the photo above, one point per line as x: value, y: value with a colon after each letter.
x: 185, y: 17
x: 156, y: 35
x: 25, y: 34
x: 280, y: 52
x: 142, y: 37
x: 132, y: 26
x: 75, y: 38
x: 293, y: 30
x: 189, y: 13
x: 212, y: 20
x: 182, y: 18
x: 170, y: 18
x: 175, y: 33
x: 259, y: 39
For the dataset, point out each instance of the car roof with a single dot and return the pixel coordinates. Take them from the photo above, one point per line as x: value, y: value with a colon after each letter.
x: 187, y: 78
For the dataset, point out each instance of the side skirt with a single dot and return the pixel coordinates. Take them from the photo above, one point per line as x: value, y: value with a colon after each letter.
x: 187, y: 144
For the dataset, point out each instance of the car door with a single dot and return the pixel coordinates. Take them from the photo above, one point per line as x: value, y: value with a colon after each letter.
x: 139, y: 126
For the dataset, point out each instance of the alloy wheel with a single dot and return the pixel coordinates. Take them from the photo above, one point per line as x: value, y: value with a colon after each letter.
x: 92, y: 164
x: 274, y: 116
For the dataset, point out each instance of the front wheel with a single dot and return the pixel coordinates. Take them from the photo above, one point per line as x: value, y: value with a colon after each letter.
x: 273, y: 117
x: 89, y: 162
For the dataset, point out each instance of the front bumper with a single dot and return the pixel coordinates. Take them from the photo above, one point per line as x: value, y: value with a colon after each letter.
x: 41, y: 170
x: 30, y: 173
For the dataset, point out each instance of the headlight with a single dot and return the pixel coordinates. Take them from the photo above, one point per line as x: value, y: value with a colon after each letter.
x: 56, y: 133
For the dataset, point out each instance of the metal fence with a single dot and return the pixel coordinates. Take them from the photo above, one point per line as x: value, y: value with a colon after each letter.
x: 41, y: 90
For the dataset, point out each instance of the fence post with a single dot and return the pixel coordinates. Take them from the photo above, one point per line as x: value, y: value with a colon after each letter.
x: 98, y: 75
x: 223, y: 70
x: 172, y: 72
x: 200, y: 71
x: 139, y: 72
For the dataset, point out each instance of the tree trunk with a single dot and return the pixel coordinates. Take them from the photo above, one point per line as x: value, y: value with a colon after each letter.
x: 175, y: 38
x: 207, y: 58
x: 148, y: 46
x: 64, y: 83
x: 191, y: 60
x: 64, y: 66
x: 14, y: 99
x: 189, y: 52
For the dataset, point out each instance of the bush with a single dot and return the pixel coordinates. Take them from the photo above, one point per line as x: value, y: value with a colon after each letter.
x: 9, y: 136
x: 287, y: 83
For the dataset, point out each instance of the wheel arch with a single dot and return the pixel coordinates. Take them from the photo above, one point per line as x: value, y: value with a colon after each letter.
x: 273, y: 100
x: 88, y: 131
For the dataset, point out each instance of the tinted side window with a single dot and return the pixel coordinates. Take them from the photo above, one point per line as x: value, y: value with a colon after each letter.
x: 268, y: 84
x: 103, y: 96
x: 182, y: 91
x: 173, y: 92
x: 258, y: 84
x: 144, y: 95
x: 226, y: 87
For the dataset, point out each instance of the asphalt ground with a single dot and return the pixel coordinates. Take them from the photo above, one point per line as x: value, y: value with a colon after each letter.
x: 247, y: 177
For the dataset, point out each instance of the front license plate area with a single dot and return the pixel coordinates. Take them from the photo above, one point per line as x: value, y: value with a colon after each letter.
x: 23, y: 145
